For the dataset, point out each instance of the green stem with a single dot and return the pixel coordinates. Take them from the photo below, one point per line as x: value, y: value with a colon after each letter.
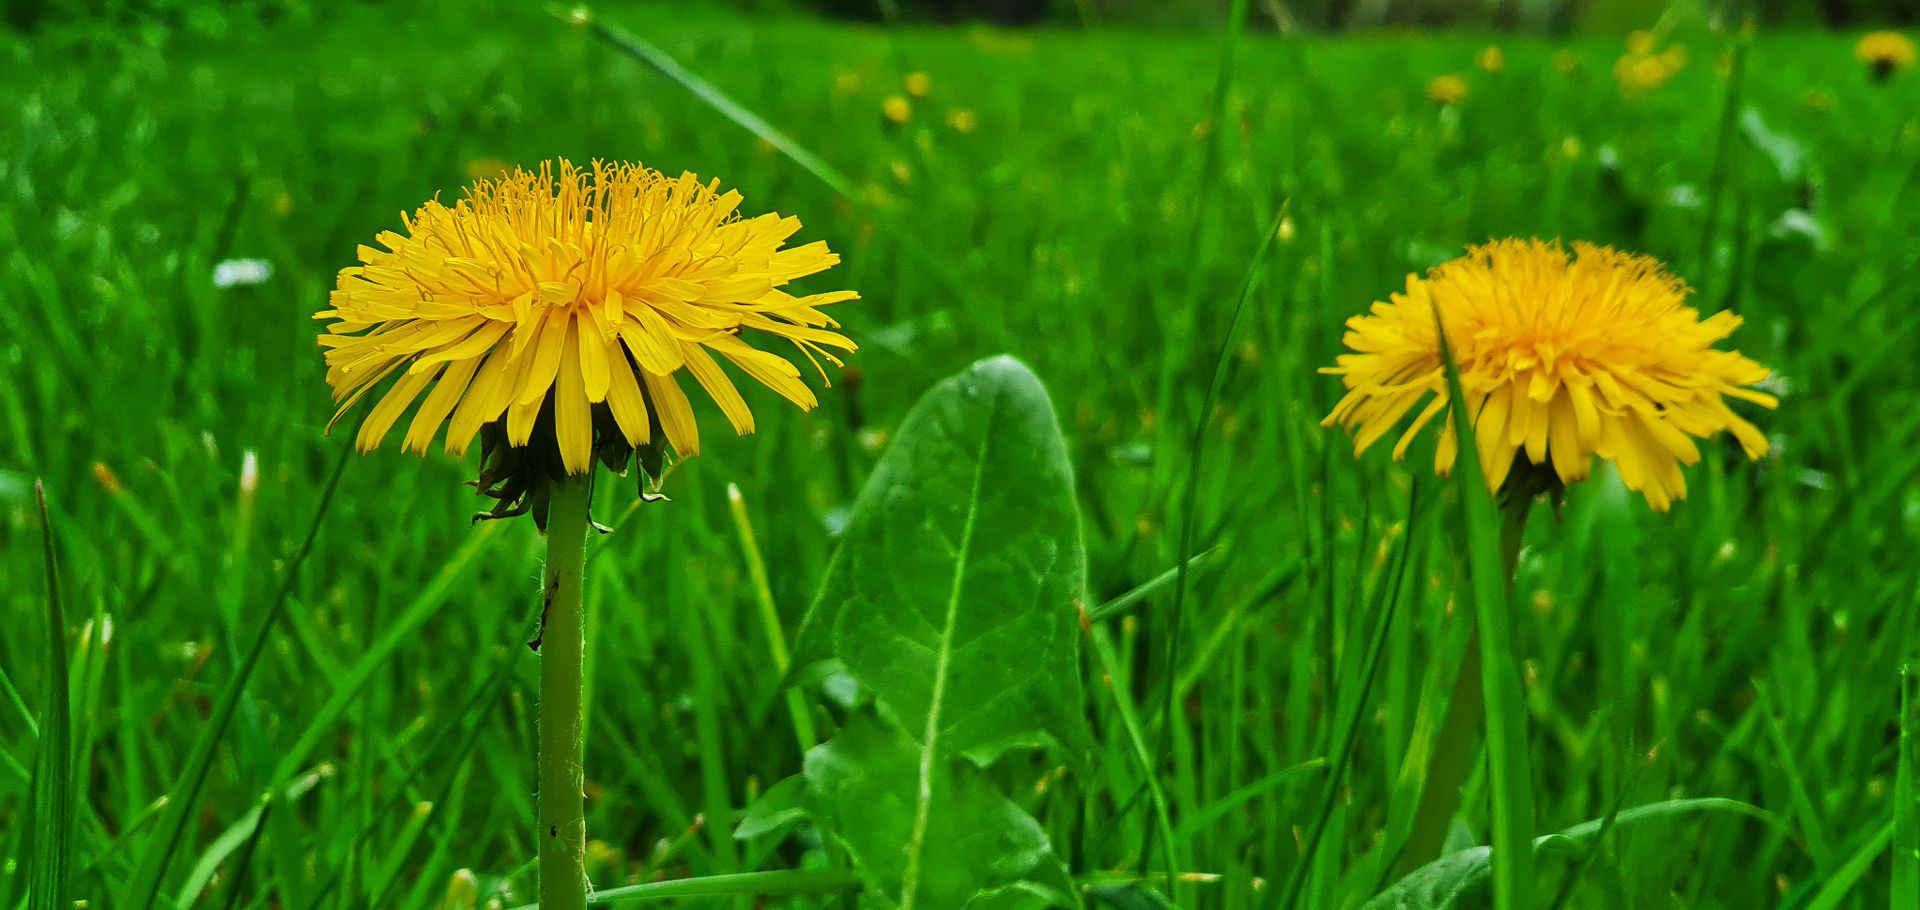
x: 1453, y: 755
x: 562, y: 816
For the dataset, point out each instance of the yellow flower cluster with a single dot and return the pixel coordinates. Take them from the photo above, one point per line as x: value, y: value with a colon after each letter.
x: 1645, y: 66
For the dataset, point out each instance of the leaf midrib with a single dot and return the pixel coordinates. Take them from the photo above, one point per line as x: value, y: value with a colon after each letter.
x: 923, y: 799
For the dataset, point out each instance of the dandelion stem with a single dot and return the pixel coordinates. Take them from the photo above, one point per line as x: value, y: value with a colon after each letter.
x: 1453, y: 754
x: 563, y: 825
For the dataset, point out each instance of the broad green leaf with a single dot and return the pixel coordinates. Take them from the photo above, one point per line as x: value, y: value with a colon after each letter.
x: 953, y: 596
x: 923, y: 830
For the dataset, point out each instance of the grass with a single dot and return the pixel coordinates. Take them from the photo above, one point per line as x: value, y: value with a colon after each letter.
x: 1745, y: 646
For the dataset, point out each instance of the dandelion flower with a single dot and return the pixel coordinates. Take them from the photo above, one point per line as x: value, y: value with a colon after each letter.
x: 897, y: 109
x: 919, y: 85
x: 963, y: 120
x: 1562, y: 357
x: 1885, y: 53
x: 1491, y: 59
x: 1447, y: 89
x: 570, y: 300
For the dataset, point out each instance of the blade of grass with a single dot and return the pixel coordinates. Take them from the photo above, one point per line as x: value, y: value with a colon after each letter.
x: 1906, y: 813
x: 398, y: 631
x: 467, y: 723
x: 1125, y: 601
x: 1190, y: 506
x: 1348, y: 732
x: 1509, y: 766
x: 144, y: 887
x: 1840, y: 883
x: 646, y: 52
x: 1121, y: 688
x: 1804, y: 810
x: 52, y: 855
x: 797, y: 709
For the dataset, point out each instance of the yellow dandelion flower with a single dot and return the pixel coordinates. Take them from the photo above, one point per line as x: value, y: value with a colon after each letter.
x: 1492, y: 59
x: 963, y: 120
x: 1638, y: 75
x: 1885, y: 53
x: 897, y: 109
x: 1640, y: 42
x: 919, y: 85
x: 1447, y: 89
x: 570, y: 300
x: 1562, y: 357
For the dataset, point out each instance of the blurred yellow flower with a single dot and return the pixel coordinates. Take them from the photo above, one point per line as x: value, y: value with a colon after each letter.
x: 963, y: 120
x: 919, y: 85
x: 1885, y: 53
x: 902, y: 171
x: 565, y: 302
x: 1447, y: 89
x: 896, y: 109
x: 1491, y: 59
x: 485, y: 167
x: 1644, y: 67
x: 1562, y: 357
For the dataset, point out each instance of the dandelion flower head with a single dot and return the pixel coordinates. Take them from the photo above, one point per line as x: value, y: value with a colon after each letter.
x: 896, y: 109
x: 1447, y: 89
x: 1885, y: 52
x: 1562, y: 356
x: 571, y: 300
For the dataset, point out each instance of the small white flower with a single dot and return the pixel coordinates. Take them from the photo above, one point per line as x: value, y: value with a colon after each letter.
x: 239, y: 272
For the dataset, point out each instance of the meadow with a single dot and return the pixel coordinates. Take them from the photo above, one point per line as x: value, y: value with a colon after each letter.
x: 1097, y: 204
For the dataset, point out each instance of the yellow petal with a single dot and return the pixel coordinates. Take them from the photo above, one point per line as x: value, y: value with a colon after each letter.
x: 484, y: 401
x: 572, y: 417
x: 715, y: 381
x: 546, y: 358
x: 433, y: 412
x: 625, y: 401
x: 676, y: 415
x: 389, y: 409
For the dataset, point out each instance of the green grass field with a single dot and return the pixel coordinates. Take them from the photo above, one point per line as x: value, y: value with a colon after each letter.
x: 1099, y: 224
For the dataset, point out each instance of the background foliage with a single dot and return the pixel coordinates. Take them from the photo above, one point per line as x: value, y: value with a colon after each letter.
x: 1098, y: 222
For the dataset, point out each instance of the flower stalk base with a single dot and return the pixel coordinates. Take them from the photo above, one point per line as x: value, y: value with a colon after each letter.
x: 562, y: 643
